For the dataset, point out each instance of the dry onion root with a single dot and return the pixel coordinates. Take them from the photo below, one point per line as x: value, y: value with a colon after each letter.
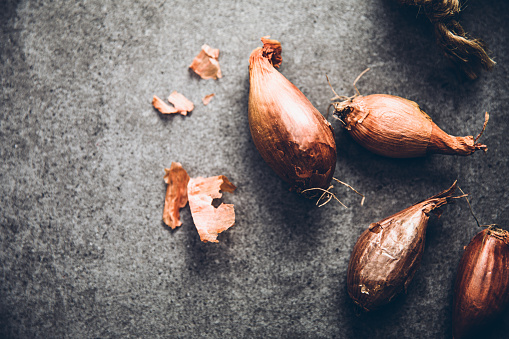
x: 395, y: 127
x: 387, y: 254
x: 481, y: 291
x: 290, y: 134
x: 467, y: 53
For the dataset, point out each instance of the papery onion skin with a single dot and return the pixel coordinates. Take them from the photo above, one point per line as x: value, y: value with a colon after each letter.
x: 481, y: 290
x: 288, y: 131
x: 387, y: 254
x: 395, y: 127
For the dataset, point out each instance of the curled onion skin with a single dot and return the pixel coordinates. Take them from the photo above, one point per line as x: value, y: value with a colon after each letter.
x: 289, y: 132
x: 387, y: 254
x: 395, y: 127
x: 481, y: 290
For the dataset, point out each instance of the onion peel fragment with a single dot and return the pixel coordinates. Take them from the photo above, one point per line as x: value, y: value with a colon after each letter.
x: 206, y: 63
x: 163, y: 107
x: 210, y: 220
x: 388, y: 253
x: 176, y: 194
x: 182, y: 104
x: 206, y: 99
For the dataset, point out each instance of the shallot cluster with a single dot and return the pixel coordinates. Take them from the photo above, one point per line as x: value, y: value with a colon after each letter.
x: 297, y: 142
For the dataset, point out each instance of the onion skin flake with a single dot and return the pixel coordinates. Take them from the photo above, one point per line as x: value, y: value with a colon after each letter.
x: 208, y: 219
x: 203, y: 195
x: 206, y: 63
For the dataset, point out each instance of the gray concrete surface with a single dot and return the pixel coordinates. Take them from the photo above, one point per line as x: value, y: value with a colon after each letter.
x: 83, y: 250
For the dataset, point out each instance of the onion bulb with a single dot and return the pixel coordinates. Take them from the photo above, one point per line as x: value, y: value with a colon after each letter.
x: 387, y: 254
x: 481, y: 291
x: 289, y: 132
x: 395, y: 127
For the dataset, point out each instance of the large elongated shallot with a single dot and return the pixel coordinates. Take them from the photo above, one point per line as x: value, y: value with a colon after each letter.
x: 290, y: 134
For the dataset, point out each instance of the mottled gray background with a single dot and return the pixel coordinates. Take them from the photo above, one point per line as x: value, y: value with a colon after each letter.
x: 83, y: 250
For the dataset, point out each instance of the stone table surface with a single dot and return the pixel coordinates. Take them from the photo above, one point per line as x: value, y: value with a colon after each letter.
x: 83, y: 250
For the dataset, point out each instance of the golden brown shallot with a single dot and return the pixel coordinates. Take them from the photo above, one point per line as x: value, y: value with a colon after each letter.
x: 395, y: 127
x: 288, y: 131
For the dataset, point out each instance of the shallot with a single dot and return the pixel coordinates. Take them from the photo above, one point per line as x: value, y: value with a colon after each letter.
x: 288, y: 131
x: 395, y: 127
x: 481, y: 291
x: 387, y: 255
